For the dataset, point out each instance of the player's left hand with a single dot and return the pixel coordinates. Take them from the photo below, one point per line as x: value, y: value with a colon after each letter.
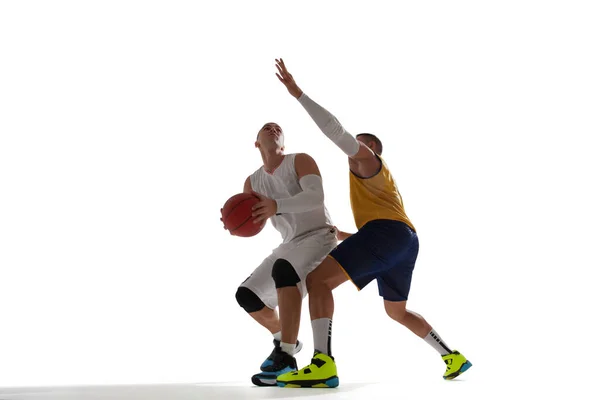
x: 341, y: 235
x: 264, y: 209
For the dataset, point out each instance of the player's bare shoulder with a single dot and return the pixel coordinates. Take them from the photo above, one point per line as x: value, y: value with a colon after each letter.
x: 252, y: 180
x: 303, y: 158
x: 305, y: 165
x: 248, y: 185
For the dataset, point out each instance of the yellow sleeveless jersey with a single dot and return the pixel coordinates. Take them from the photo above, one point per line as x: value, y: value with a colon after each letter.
x: 376, y: 197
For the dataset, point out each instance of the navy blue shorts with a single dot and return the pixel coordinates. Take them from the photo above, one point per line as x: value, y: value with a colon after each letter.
x: 385, y: 250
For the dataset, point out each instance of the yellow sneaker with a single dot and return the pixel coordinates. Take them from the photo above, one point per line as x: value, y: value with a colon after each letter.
x: 456, y: 364
x: 321, y: 373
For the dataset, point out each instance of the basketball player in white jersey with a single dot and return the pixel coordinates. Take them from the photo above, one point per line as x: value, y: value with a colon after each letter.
x: 291, y: 196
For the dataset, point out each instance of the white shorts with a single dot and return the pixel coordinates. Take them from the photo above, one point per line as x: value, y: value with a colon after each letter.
x: 305, y: 253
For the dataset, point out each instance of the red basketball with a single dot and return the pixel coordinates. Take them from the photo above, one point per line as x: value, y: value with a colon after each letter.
x: 236, y: 214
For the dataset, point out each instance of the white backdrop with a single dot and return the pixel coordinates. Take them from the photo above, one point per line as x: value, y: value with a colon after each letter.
x: 126, y: 125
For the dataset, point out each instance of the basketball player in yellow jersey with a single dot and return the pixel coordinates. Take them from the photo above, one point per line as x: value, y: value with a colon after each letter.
x: 384, y: 248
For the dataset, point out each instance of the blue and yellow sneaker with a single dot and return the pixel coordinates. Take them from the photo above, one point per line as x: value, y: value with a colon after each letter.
x: 456, y: 364
x: 277, y: 343
x: 321, y: 373
x: 281, y: 363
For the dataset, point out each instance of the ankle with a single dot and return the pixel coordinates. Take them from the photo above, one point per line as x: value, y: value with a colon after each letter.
x: 288, y: 348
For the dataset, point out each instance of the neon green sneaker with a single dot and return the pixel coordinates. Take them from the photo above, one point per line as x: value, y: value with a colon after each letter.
x: 321, y: 373
x: 456, y: 364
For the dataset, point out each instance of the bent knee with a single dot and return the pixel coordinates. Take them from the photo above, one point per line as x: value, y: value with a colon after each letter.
x: 284, y: 274
x: 395, y: 310
x: 248, y: 300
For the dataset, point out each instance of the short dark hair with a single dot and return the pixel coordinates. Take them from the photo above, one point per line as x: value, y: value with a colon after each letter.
x: 378, y: 144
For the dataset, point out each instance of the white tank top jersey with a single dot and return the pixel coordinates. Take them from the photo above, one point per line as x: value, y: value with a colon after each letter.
x: 283, y: 183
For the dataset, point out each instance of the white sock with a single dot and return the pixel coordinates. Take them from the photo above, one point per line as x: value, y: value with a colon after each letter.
x: 288, y: 348
x: 322, y: 335
x: 437, y: 343
x: 277, y: 336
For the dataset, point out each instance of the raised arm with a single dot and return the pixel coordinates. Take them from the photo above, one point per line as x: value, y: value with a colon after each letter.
x: 326, y: 121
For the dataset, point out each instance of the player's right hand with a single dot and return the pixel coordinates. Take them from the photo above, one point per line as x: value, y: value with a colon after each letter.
x: 287, y: 79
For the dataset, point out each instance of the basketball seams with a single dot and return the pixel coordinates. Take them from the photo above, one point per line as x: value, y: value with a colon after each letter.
x: 232, y: 209
x: 236, y: 206
x: 240, y: 225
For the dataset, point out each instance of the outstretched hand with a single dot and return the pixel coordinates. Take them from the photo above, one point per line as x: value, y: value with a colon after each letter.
x: 264, y: 209
x: 287, y: 79
x: 341, y: 235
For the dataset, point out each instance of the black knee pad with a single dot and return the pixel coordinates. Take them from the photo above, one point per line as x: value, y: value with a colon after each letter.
x: 284, y: 274
x: 248, y: 300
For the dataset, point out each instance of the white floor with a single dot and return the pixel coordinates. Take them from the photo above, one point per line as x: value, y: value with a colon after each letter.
x: 469, y: 387
x: 207, y: 391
